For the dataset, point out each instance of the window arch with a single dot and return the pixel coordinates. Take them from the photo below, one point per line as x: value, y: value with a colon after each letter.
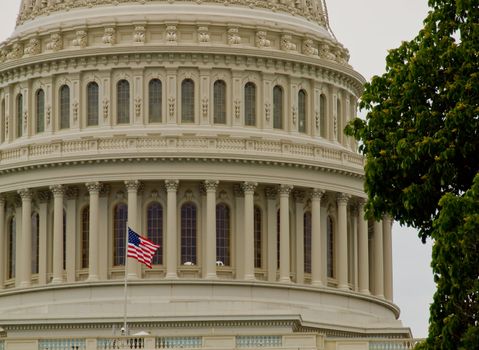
x: 155, y: 229
x: 330, y: 246
x: 154, y: 100
x: 40, y: 110
x: 188, y: 233
x: 258, y: 247
x: 93, y: 104
x: 302, y: 111
x: 250, y: 104
x: 11, y: 248
x: 219, y: 106
x: 188, y: 101
x: 278, y: 107
x: 85, y: 237
x: 35, y: 242
x: 307, y: 226
x: 223, y: 234
x: 120, y: 217
x: 123, y: 102
x: 19, y: 115
x: 322, y: 115
x: 64, y: 107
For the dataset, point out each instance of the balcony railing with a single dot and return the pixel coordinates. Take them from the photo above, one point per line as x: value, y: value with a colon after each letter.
x: 259, y: 341
x: 61, y: 344
x: 178, y: 342
x: 120, y: 343
x: 394, y: 344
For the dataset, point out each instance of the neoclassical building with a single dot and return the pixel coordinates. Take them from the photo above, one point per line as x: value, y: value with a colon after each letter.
x: 214, y: 128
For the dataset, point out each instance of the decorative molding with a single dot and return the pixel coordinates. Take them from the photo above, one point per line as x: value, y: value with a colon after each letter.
x: 94, y: 187
x: 270, y: 192
x: 249, y: 187
x: 26, y: 194
x: 211, y: 185
x: 285, y: 190
x: 172, y: 185
x: 58, y: 190
x: 132, y: 185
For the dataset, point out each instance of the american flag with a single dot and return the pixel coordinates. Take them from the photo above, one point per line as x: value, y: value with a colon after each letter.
x: 141, y: 248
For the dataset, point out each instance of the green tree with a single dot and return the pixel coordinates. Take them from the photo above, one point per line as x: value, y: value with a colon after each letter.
x: 421, y: 143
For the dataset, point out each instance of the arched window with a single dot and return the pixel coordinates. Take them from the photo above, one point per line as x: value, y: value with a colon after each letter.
x: 93, y: 104
x: 339, y: 113
x: 120, y: 217
x: 250, y: 104
x: 35, y: 242
x: 278, y: 107
x: 307, y: 241
x: 188, y: 233
x: 85, y: 237
x: 154, y: 100
x: 219, y: 106
x: 155, y: 230
x: 187, y: 101
x: 123, y: 102
x: 322, y: 116
x: 330, y: 246
x: 64, y: 107
x: 223, y: 234
x: 40, y: 110
x: 302, y: 111
x: 19, y: 115
x: 11, y: 252
x: 258, y: 222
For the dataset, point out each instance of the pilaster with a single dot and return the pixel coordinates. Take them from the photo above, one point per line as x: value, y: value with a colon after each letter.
x: 209, y: 260
x: 299, y: 215
x: 248, y: 253
x: 58, y: 193
x: 272, y: 265
x: 44, y: 198
x: 342, y: 241
x: 171, y: 230
x: 71, y: 232
x: 93, y: 241
x: 25, y: 267
x: 316, y: 242
x: 284, y: 265
x: 132, y: 186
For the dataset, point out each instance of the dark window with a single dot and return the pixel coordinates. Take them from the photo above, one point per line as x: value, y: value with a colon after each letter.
x: 120, y: 217
x: 40, y: 110
x: 330, y: 245
x: 219, y: 107
x: 85, y: 236
x: 19, y: 115
x: 322, y: 115
x: 123, y: 102
x: 302, y: 111
x: 188, y: 101
x: 12, y: 243
x: 35, y: 242
x: 250, y: 104
x: 155, y: 230
x: 92, y: 104
x: 307, y: 241
x: 155, y: 101
x: 64, y: 107
x: 223, y: 234
x: 278, y: 107
x: 188, y: 233
x: 258, y: 261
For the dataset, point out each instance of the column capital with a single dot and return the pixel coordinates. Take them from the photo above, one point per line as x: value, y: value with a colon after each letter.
x: 343, y: 198
x: 285, y: 190
x: 44, y: 196
x: 211, y: 185
x: 298, y: 196
x: 72, y: 192
x: 94, y: 187
x: 105, y: 190
x: 238, y: 190
x: 132, y: 185
x: 361, y: 203
x: 317, y: 193
x: 57, y: 190
x: 249, y: 187
x: 270, y: 192
x: 26, y: 194
x: 172, y: 185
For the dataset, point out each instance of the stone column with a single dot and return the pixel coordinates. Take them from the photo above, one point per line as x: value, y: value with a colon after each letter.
x: 316, y: 247
x: 342, y: 241
x: 103, y: 245
x: 299, y: 214
x: 43, y: 197
x: 93, y: 241
x: 388, y: 258
x: 3, y: 242
x: 71, y: 233
x: 240, y: 231
x: 284, y: 265
x: 132, y: 186
x: 248, y: 247
x: 18, y: 241
x: 26, y: 240
x: 378, y: 259
x: 363, y: 250
x: 171, y: 250
x: 58, y: 193
x: 272, y: 264
x: 209, y: 261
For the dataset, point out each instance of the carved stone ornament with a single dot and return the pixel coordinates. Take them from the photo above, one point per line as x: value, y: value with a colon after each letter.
x: 138, y: 106
x: 286, y: 43
x: 26, y: 194
x: 171, y: 33
x: 106, y: 109
x: 267, y: 111
x: 237, y: 106
x: 309, y: 49
x: 343, y: 198
x: 284, y: 190
x: 75, y: 110
x: 139, y: 37
x: 132, y: 185
x: 270, y: 192
x: 93, y: 187
x: 317, y: 193
x: 249, y: 187
x: 55, y: 43
x: 58, y: 190
x: 204, y: 107
x: 211, y: 185
x: 261, y: 40
x: 16, y: 52
x: 109, y: 36
x: 33, y: 47
x: 171, y: 106
x: 171, y: 185
x: 233, y: 36
x: 325, y: 52
x: 81, y: 39
x: 203, y: 35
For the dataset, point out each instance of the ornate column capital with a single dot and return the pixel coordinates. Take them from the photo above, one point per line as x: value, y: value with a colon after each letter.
x: 172, y: 185
x: 249, y: 187
x: 105, y: 190
x: 361, y: 203
x: 343, y: 198
x: 72, y: 192
x: 238, y: 190
x: 270, y: 192
x: 285, y: 190
x: 26, y: 194
x: 211, y: 185
x: 94, y: 187
x: 44, y: 196
x: 317, y: 193
x: 298, y: 196
x: 132, y: 185
x: 57, y: 190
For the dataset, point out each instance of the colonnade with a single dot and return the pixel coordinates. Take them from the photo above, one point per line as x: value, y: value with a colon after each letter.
x: 355, y: 247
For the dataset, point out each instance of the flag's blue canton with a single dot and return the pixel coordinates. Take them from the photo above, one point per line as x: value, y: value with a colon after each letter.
x: 133, y: 237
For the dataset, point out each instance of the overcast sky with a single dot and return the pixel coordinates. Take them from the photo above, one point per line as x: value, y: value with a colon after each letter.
x: 368, y: 28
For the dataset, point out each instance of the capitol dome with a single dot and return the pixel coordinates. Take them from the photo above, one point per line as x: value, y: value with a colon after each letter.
x: 214, y: 128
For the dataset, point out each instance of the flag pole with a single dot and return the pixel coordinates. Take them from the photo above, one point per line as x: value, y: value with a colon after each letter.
x: 125, y: 302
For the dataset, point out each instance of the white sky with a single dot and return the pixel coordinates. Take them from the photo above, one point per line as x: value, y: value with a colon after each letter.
x: 368, y: 28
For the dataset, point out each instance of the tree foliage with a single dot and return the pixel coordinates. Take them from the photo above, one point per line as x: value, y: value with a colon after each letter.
x: 421, y: 142
x: 421, y: 134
